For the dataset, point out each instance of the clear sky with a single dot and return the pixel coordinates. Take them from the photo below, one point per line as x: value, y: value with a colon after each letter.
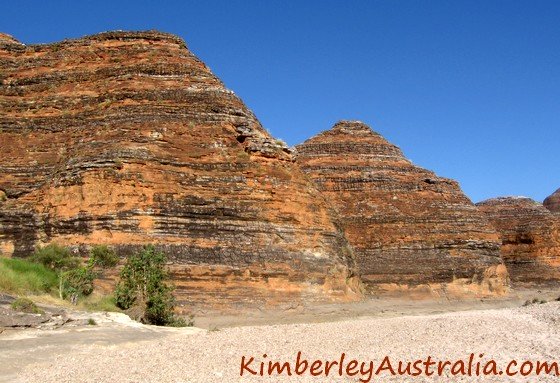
x: 469, y: 89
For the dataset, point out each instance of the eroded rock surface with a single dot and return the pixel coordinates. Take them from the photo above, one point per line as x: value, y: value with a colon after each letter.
x: 410, y: 229
x: 530, y: 239
x: 552, y: 202
x: 126, y: 139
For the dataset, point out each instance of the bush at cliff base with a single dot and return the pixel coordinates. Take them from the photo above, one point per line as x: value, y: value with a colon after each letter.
x: 142, y: 289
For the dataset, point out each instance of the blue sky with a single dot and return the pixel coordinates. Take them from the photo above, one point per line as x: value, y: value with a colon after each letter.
x: 469, y: 89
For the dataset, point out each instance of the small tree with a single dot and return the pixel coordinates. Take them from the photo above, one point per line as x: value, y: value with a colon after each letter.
x: 142, y: 286
x: 59, y: 259
x: 74, y: 278
x: 77, y: 282
x: 55, y: 257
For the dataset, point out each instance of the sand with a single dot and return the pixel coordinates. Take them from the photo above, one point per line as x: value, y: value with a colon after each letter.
x: 113, y: 352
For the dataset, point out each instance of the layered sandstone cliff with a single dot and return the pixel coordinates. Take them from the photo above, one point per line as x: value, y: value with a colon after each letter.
x: 530, y: 239
x: 410, y: 229
x: 552, y: 202
x: 126, y: 139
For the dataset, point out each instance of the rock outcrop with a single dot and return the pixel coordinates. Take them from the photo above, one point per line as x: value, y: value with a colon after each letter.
x: 411, y: 230
x: 126, y: 139
x: 552, y: 202
x: 530, y: 239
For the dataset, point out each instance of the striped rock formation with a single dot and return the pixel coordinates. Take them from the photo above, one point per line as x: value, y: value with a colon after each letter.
x: 552, y: 202
x: 530, y: 239
x: 127, y: 139
x: 411, y: 230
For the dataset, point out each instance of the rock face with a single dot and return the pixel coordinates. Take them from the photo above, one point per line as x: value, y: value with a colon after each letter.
x: 552, y: 202
x: 530, y: 239
x: 410, y: 230
x: 126, y: 139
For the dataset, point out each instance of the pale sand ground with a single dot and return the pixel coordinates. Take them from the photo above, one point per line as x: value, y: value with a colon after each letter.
x: 114, y: 352
x: 372, y: 307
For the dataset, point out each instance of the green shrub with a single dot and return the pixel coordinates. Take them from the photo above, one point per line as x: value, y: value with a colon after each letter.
x: 102, y: 256
x: 19, y: 276
x: 159, y: 307
x: 75, y: 279
x: 26, y: 305
x: 91, y: 322
x: 60, y: 260
x: 55, y: 257
x: 77, y: 282
x: 142, y: 287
